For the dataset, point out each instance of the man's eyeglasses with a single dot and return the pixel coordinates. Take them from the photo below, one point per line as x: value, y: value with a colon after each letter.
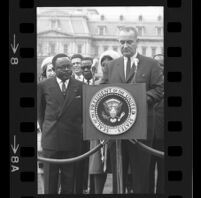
x: 129, y: 42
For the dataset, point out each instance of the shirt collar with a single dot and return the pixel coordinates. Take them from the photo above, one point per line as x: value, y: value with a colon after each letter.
x: 132, y: 58
x: 80, y: 78
x: 60, y: 81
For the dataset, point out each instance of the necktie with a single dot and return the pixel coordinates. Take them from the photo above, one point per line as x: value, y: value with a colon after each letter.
x: 128, y: 67
x: 63, y: 88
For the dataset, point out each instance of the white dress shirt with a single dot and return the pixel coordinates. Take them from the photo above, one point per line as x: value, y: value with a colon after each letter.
x: 80, y: 77
x: 90, y: 82
x: 132, y: 61
x: 60, y: 82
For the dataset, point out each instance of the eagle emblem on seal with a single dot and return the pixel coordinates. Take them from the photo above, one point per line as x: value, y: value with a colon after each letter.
x: 112, y: 109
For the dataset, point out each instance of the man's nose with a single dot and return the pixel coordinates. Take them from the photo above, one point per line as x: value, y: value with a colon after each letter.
x: 125, y: 44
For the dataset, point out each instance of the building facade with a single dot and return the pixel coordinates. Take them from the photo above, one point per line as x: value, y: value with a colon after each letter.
x: 87, y: 32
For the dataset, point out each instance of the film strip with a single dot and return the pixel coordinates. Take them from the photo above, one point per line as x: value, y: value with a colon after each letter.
x: 178, y: 96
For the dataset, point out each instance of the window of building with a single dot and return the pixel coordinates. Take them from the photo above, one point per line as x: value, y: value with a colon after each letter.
x: 102, y: 17
x: 40, y: 49
x: 140, y: 18
x: 58, y: 24
x: 65, y: 48
x: 159, y: 31
x: 79, y: 48
x: 140, y: 30
x: 121, y: 17
x: 105, y: 47
x: 52, y: 48
x: 55, y: 24
x: 115, y: 48
x: 144, y: 50
x: 101, y: 30
x: 159, y: 18
x: 153, y: 51
x: 96, y: 50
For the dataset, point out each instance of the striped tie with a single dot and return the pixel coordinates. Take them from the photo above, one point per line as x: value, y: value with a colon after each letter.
x: 63, y: 88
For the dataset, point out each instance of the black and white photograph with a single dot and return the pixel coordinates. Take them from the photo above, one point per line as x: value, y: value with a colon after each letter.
x: 100, y: 100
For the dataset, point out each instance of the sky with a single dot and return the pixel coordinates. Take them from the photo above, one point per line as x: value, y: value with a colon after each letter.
x: 151, y: 11
x: 146, y: 10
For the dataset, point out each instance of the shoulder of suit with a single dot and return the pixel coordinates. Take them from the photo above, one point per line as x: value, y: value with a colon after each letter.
x: 78, y: 82
x: 115, y: 61
x: 46, y: 81
x: 148, y: 59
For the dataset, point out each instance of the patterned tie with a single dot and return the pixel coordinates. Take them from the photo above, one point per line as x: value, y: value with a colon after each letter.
x: 63, y: 88
x: 128, y: 67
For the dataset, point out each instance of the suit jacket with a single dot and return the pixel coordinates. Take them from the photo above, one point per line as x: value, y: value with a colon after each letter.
x: 60, y: 118
x: 148, y: 71
x: 159, y: 120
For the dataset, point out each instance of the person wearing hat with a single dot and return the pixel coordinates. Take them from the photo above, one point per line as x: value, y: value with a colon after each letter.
x: 59, y: 112
x: 47, y: 69
x: 100, y: 162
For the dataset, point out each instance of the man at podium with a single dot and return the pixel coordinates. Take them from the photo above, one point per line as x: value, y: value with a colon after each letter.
x: 132, y: 67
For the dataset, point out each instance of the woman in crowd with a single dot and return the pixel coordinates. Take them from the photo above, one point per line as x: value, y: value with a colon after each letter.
x: 47, y: 69
x: 99, y: 163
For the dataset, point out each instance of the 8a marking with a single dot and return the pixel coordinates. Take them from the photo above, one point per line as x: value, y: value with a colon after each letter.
x: 14, y: 158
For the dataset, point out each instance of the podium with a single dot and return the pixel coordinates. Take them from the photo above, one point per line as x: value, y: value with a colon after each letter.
x: 116, y: 112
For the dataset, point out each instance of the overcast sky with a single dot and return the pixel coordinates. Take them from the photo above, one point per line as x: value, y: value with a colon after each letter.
x: 151, y: 11
x: 146, y: 10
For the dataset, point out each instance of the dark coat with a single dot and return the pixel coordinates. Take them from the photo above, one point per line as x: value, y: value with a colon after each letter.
x: 60, y: 118
x: 148, y: 72
x: 159, y: 120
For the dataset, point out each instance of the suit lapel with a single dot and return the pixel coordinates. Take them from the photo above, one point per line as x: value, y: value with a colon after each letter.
x: 120, y: 69
x: 57, y: 92
x: 70, y: 93
x: 131, y: 75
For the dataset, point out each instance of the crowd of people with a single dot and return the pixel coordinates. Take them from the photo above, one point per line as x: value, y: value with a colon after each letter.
x: 59, y: 115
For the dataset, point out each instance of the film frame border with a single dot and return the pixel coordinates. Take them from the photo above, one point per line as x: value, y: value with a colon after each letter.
x: 178, y: 95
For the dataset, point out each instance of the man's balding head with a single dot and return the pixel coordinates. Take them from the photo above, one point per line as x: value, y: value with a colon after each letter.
x: 128, y: 39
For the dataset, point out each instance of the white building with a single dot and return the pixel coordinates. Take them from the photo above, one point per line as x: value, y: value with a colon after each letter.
x: 87, y: 32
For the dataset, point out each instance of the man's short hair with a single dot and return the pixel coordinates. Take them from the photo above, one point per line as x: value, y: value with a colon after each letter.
x: 58, y: 56
x: 87, y: 58
x: 128, y: 29
x: 76, y: 56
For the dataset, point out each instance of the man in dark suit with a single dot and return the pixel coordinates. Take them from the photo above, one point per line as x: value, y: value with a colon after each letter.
x: 60, y: 119
x: 158, y: 142
x: 135, y: 68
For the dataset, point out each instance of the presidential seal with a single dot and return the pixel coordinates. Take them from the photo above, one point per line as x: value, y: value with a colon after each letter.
x: 113, y: 110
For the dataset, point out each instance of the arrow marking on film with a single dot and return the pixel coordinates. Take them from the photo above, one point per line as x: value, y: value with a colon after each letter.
x: 14, y: 48
x: 15, y: 147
